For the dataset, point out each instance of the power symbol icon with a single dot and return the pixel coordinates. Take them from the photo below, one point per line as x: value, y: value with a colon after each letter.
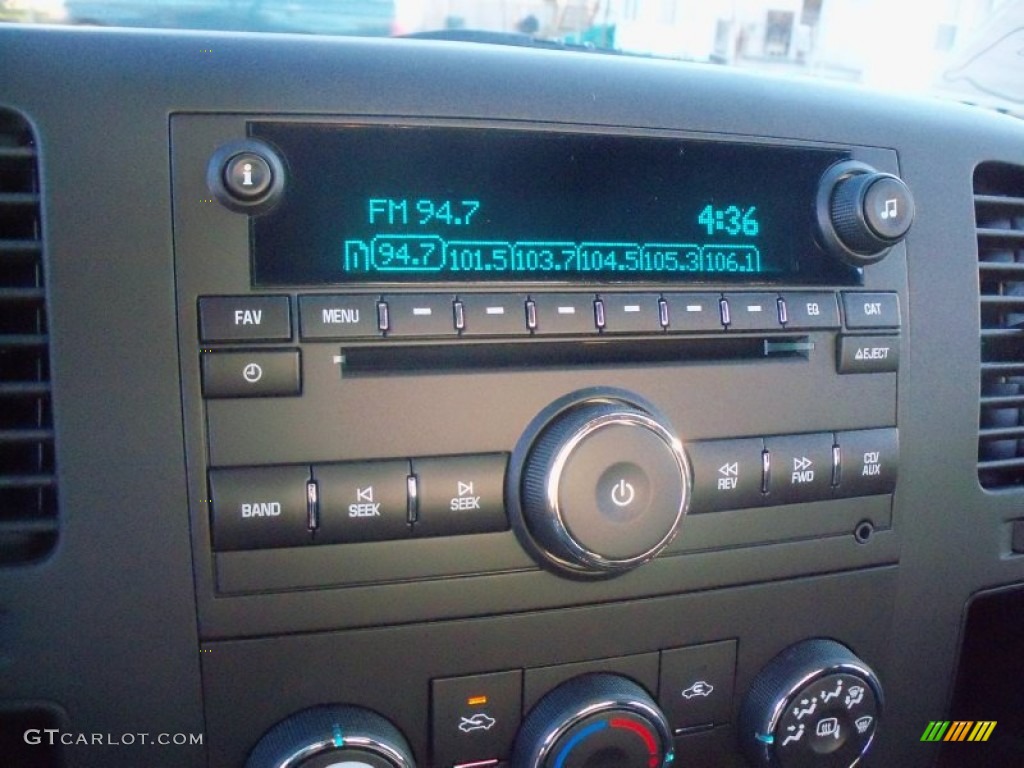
x: 623, y: 493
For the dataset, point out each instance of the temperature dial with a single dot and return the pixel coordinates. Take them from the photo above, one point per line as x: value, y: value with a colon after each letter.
x: 862, y: 213
x: 604, y: 485
x: 816, y: 705
x: 329, y: 737
x: 595, y: 721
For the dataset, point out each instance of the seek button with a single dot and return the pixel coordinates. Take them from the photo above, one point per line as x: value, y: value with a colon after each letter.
x: 460, y: 494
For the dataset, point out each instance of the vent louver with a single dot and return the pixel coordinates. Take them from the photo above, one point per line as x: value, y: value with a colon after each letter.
x: 28, y: 493
x: 999, y: 213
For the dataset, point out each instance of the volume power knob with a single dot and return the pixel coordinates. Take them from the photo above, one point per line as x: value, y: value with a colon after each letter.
x: 604, y: 488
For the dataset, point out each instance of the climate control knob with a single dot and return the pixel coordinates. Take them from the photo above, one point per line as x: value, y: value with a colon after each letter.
x: 815, y: 705
x: 331, y: 736
x: 594, y: 721
x: 604, y: 485
x: 862, y: 213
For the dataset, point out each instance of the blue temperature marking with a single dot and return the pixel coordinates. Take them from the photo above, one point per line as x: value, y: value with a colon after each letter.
x: 585, y: 733
x: 765, y: 738
x: 338, y: 740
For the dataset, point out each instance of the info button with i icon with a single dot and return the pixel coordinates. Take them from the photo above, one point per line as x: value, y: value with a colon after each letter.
x: 247, y: 175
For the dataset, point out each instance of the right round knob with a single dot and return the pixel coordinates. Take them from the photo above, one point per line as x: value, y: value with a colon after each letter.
x: 862, y: 213
x: 815, y: 705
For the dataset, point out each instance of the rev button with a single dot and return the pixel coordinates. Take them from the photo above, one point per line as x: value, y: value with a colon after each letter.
x: 362, y: 501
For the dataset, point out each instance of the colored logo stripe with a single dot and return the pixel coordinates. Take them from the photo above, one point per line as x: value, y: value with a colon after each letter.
x: 958, y: 730
x: 935, y: 731
x: 982, y: 730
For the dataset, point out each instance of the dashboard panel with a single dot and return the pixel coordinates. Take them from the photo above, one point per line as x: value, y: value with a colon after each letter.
x: 430, y: 403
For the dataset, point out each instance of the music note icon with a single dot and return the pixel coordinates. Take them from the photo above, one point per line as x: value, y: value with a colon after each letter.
x: 890, y: 212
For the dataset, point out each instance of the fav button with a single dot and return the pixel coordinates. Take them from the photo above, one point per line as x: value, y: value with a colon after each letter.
x: 460, y: 494
x: 362, y: 501
x: 244, y: 318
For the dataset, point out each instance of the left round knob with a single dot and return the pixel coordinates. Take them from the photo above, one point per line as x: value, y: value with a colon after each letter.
x: 332, y: 736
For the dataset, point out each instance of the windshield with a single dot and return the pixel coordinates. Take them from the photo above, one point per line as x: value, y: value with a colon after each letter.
x: 968, y: 50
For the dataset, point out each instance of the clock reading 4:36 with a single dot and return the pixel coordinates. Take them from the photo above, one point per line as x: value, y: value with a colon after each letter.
x: 732, y: 220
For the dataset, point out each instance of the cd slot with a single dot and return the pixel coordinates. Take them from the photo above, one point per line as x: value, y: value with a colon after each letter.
x: 391, y: 358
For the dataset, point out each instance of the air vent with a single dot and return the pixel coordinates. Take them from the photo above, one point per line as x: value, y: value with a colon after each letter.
x: 999, y: 212
x: 28, y: 493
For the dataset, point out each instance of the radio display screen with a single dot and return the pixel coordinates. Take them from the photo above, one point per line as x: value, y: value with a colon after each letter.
x: 366, y: 204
